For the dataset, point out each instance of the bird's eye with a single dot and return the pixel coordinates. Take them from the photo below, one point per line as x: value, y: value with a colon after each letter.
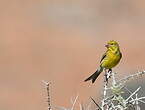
x: 111, y: 44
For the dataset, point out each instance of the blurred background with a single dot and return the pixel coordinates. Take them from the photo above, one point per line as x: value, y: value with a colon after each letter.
x: 62, y: 41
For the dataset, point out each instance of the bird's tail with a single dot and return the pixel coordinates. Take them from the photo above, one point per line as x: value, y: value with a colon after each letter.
x: 94, y: 76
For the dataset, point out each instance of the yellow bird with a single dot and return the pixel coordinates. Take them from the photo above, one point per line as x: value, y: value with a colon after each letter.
x: 109, y: 60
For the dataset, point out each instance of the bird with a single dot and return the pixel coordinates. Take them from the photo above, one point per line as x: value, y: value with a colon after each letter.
x: 109, y: 59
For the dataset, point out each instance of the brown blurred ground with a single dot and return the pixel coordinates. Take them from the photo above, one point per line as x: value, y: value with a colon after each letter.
x: 62, y: 42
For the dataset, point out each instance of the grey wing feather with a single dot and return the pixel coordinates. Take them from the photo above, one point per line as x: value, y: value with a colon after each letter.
x: 120, y: 55
x: 104, y: 55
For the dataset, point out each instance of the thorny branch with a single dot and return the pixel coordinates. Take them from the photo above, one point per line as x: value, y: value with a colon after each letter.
x: 131, y: 76
x: 113, y: 101
x: 118, y: 101
x: 47, y: 84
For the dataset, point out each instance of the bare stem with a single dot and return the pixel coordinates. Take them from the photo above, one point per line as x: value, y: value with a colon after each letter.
x: 96, y: 103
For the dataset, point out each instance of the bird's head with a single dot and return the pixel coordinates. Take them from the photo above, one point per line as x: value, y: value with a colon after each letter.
x: 112, y: 45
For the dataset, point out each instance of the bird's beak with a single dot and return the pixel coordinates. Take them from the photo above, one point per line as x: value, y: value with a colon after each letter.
x: 107, y: 45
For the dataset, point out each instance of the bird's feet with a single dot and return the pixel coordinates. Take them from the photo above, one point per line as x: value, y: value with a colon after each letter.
x: 109, y: 73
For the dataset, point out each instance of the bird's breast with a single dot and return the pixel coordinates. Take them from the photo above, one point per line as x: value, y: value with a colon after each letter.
x: 111, y: 60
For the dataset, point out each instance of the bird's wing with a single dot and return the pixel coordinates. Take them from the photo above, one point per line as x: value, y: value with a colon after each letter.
x: 120, y: 55
x: 104, y: 55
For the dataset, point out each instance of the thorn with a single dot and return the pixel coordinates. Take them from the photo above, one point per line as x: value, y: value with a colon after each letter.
x: 45, y: 82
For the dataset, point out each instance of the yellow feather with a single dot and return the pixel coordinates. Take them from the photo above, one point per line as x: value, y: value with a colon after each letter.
x: 113, y: 55
x: 109, y: 60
